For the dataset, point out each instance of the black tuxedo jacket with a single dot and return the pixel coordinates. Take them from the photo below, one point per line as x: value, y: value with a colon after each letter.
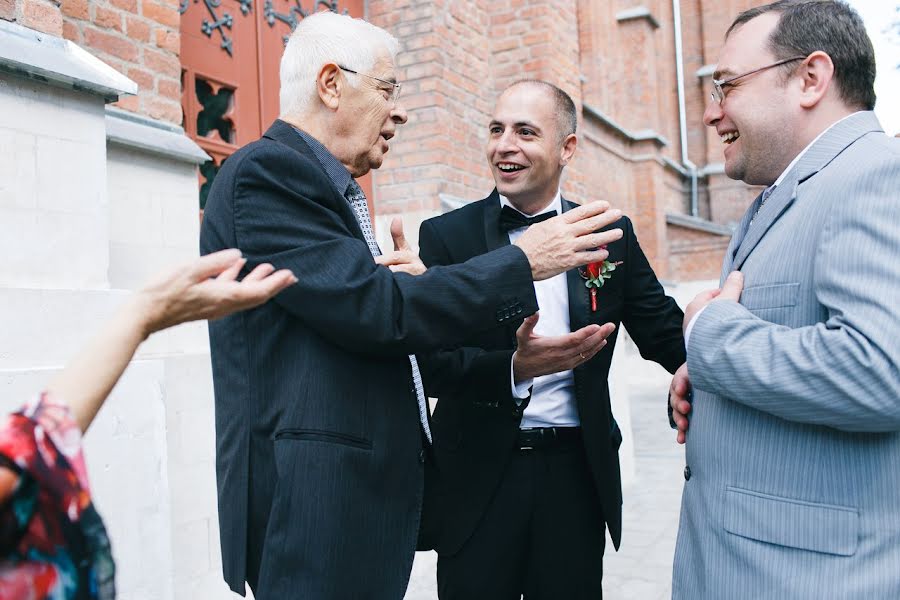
x: 319, y: 450
x: 476, y: 420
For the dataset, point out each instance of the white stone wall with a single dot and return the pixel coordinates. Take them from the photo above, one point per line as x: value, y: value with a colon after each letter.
x: 82, y: 222
x: 52, y: 197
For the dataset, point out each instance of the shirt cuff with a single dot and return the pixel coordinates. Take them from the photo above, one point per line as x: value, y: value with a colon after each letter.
x: 520, y: 390
x: 687, y: 332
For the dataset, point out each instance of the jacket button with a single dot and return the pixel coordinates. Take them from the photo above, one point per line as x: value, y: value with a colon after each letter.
x: 422, y: 457
x: 687, y: 473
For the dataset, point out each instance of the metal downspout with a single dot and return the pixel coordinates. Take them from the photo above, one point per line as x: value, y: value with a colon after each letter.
x: 682, y: 118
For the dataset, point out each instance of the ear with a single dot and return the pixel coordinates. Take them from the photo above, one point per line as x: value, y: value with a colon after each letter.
x: 816, y: 73
x: 567, y: 150
x: 330, y: 85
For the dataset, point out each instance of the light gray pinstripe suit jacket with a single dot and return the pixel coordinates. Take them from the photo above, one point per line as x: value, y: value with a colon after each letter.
x: 794, y: 441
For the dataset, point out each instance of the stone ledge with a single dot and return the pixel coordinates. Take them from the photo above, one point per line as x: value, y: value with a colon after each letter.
x: 697, y: 224
x: 642, y: 135
x: 636, y: 13
x: 143, y: 133
x: 58, y: 62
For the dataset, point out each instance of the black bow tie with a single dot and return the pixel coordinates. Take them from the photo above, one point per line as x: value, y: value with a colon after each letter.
x: 511, y: 219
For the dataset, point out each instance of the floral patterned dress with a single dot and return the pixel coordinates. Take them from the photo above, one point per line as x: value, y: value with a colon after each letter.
x: 52, y: 542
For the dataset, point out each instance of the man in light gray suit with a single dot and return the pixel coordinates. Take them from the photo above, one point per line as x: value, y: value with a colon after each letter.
x: 792, y: 483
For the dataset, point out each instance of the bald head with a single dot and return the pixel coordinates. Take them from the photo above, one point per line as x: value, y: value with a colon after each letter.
x: 564, y: 107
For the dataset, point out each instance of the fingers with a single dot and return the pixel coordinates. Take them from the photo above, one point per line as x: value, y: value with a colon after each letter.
x: 585, y: 211
x: 274, y: 283
x: 733, y: 286
x: 598, y: 222
x: 594, y: 241
x: 260, y: 272
x: 231, y: 273
x: 402, y: 261
x: 399, y: 238
x: 214, y: 264
x: 588, y: 256
x: 406, y: 268
x: 595, y: 342
x: 526, y: 329
x: 397, y: 257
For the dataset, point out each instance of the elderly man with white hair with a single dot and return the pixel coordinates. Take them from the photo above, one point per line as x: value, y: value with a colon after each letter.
x: 322, y: 428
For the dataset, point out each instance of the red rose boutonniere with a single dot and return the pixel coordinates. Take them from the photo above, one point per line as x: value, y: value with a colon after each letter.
x: 595, y: 275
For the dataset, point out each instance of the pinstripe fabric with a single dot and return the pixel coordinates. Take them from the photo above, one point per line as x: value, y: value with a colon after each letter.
x: 357, y: 199
x: 794, y: 444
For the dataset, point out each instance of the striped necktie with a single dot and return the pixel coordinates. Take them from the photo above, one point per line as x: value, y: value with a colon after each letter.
x: 357, y: 200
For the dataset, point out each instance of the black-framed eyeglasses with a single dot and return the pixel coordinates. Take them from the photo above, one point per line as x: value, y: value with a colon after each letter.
x: 719, y: 85
x: 395, y: 87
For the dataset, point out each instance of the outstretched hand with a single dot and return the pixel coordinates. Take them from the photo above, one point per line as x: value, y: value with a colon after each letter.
x: 403, y: 259
x: 204, y: 288
x: 207, y: 288
x: 538, y: 355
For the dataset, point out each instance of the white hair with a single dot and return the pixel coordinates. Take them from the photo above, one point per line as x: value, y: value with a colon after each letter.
x: 328, y: 37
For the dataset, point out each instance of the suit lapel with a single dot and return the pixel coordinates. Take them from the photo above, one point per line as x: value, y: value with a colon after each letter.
x: 822, y: 152
x: 494, y: 237
x: 778, y: 202
x: 578, y: 294
x: 739, y: 234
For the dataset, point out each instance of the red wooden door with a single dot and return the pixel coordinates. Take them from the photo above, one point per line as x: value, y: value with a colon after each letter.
x: 230, y: 55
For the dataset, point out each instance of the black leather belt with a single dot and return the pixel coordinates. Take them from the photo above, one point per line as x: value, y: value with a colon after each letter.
x: 542, y: 438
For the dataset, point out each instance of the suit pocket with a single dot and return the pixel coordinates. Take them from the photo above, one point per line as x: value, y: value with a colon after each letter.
x: 330, y: 437
x: 793, y: 523
x: 761, y: 297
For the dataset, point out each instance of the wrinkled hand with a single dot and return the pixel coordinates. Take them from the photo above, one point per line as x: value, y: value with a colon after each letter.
x: 538, y: 355
x: 680, y: 402
x: 207, y: 288
x: 731, y: 290
x: 569, y: 240
x: 402, y: 259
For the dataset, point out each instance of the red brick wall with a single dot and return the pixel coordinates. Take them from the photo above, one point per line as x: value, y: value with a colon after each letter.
x: 139, y: 38
x: 695, y: 255
x: 41, y: 15
x: 460, y: 54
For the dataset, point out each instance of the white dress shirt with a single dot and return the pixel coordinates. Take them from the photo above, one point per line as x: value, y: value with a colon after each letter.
x: 687, y: 331
x: 552, y: 396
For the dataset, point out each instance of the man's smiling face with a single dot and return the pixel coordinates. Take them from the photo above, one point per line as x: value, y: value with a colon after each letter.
x: 756, y: 119
x: 524, y: 148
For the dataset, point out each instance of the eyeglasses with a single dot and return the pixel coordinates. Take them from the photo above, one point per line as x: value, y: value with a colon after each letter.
x: 395, y: 87
x: 718, y: 91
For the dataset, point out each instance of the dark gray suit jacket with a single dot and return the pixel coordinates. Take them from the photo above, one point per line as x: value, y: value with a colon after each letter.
x: 319, y: 447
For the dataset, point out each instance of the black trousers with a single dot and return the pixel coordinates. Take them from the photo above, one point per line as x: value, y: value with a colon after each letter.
x: 542, y: 535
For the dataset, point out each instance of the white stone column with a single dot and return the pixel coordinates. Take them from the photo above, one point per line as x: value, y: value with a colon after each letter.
x: 92, y: 202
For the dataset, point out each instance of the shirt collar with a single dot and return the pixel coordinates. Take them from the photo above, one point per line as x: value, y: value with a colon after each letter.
x: 555, y: 204
x: 337, y: 173
x: 810, y: 145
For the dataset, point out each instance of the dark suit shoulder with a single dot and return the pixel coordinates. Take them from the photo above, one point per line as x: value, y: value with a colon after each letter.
x: 464, y: 216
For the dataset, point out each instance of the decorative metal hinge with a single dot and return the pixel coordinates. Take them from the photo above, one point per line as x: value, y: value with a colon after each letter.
x: 218, y: 23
